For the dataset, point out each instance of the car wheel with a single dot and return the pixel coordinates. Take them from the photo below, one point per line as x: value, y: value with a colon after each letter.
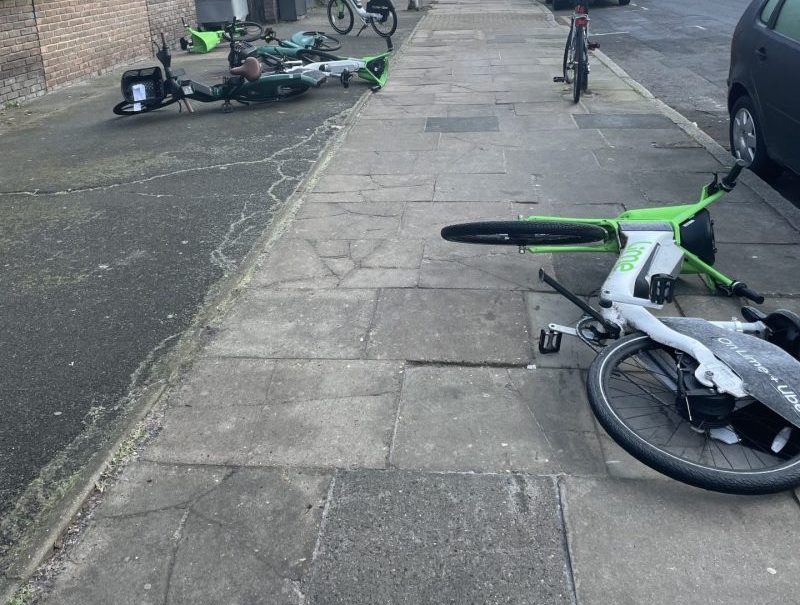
x: 747, y: 139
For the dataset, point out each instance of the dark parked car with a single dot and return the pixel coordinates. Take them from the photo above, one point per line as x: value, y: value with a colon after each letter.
x: 764, y: 87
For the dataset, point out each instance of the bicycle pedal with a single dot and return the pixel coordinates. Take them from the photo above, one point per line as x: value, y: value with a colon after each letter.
x: 549, y: 341
x: 558, y: 79
x: 662, y: 288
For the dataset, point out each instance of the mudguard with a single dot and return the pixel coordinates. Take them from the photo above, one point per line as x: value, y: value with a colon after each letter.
x: 769, y: 373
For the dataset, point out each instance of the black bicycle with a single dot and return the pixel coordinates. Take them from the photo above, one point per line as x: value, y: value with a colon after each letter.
x: 575, y: 66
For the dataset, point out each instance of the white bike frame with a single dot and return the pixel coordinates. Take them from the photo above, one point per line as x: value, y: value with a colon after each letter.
x: 650, y: 249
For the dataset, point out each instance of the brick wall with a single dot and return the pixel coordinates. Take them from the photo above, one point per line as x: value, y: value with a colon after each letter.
x: 62, y: 41
x: 80, y: 38
x: 165, y: 16
x: 21, y: 70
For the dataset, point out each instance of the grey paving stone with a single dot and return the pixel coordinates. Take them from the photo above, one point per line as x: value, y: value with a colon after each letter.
x: 310, y: 324
x: 370, y: 277
x: 496, y: 420
x: 606, y: 188
x: 294, y: 263
x: 450, y: 325
x: 306, y: 380
x: 629, y: 160
x: 417, y: 162
x: 750, y: 222
x: 669, y: 138
x: 557, y: 161
x: 772, y: 270
x: 532, y: 141
x: 621, y: 465
x: 454, y: 265
x: 413, y: 538
x: 325, y: 432
x: 660, y: 541
x: 425, y: 220
x: 205, y: 435
x: 360, y: 220
x: 484, y: 188
x: 224, y: 382
x: 476, y: 124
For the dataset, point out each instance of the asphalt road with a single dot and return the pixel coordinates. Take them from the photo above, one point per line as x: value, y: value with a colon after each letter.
x: 113, y: 232
x: 680, y: 51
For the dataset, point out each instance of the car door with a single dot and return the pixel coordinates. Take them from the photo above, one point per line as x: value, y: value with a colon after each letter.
x: 777, y: 78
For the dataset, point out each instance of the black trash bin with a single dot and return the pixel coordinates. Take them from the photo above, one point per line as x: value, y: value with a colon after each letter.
x: 291, y: 10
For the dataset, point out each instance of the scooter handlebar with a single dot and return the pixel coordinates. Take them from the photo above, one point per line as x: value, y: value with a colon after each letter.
x: 729, y: 180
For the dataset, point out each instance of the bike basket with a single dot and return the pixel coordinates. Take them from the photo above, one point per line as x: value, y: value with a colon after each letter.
x: 143, y: 85
x: 379, y: 7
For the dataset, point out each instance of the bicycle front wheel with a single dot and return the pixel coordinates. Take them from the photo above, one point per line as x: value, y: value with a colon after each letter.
x: 246, y: 31
x: 644, y: 396
x: 569, y: 57
x: 524, y: 233
x: 323, y: 41
x: 340, y: 16
x: 386, y: 24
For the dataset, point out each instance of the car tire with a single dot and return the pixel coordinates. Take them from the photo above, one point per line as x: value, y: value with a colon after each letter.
x: 747, y: 139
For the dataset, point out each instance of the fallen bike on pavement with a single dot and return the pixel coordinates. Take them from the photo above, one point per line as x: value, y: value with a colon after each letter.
x: 715, y: 404
x: 148, y: 89
x: 200, y: 41
x: 374, y: 69
x: 284, y: 49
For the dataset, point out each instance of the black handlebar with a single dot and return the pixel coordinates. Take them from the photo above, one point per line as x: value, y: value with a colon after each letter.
x: 741, y: 289
x: 729, y: 180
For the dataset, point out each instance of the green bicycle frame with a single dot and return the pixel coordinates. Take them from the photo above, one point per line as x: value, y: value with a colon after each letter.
x: 674, y: 215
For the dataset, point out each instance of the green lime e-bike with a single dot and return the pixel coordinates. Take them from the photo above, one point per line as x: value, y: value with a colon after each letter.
x: 146, y: 90
x: 712, y: 404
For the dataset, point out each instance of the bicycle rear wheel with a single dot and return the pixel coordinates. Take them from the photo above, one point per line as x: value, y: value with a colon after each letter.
x: 246, y: 31
x: 386, y: 25
x: 644, y: 396
x: 340, y: 16
x: 524, y: 233
x: 580, y: 63
x: 126, y: 108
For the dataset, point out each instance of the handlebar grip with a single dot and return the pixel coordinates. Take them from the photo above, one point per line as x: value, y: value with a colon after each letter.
x: 729, y: 180
x: 741, y: 289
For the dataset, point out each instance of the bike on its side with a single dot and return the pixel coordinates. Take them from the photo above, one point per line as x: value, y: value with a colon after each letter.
x: 380, y: 14
x: 148, y: 89
x: 284, y: 49
x: 374, y: 69
x: 715, y: 404
x: 199, y: 41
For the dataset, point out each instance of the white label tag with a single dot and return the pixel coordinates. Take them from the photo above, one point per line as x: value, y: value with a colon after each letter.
x: 139, y: 92
x: 187, y: 90
x: 137, y: 107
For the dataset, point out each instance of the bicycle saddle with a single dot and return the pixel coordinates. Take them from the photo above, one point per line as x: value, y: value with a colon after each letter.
x: 250, y: 69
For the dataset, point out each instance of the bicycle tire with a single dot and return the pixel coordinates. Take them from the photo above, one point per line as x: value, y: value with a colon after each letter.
x: 524, y: 233
x: 391, y: 21
x: 685, y: 455
x: 126, y: 109
x: 580, y: 64
x: 566, y: 63
x: 247, y: 31
x: 345, y: 14
x: 308, y: 55
x: 324, y: 42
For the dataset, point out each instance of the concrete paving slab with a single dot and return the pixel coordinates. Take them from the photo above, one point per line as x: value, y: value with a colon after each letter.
x: 648, y: 541
x: 532, y: 141
x: 330, y: 431
x: 476, y: 124
x: 224, y: 382
x: 450, y: 325
x: 616, y: 121
x: 494, y: 420
x: 359, y: 220
x: 454, y: 265
x: 606, y: 187
x: 671, y: 138
x: 422, y: 538
x: 772, y: 270
x: 232, y: 524
x: 627, y: 160
x: 297, y: 324
x: 484, y: 188
x: 417, y: 162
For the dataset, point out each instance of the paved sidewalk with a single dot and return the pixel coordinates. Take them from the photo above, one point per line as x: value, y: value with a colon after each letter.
x: 372, y: 423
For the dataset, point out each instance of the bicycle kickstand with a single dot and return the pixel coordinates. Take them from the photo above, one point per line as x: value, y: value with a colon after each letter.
x: 363, y: 27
